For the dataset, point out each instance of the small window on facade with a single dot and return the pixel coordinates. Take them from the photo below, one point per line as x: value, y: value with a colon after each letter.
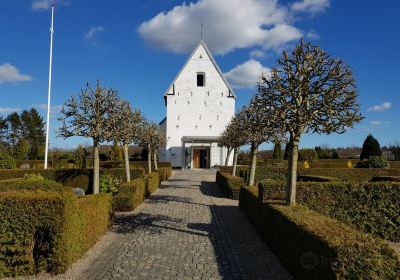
x: 205, y: 103
x: 188, y: 102
x: 200, y: 79
x: 200, y: 117
x: 217, y: 117
x: 220, y: 103
x: 179, y: 117
x: 208, y: 93
x: 222, y: 94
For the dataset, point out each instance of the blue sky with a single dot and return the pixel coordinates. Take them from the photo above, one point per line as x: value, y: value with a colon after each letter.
x: 137, y: 47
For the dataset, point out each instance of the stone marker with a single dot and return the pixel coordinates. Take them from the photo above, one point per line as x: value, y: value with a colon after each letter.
x: 79, y: 191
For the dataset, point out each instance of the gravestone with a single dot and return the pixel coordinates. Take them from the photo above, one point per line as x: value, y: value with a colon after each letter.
x: 79, y: 191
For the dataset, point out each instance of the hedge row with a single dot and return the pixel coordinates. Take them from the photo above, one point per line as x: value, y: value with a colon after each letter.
x: 229, y: 185
x: 165, y: 173
x: 346, y: 174
x: 30, y: 184
x: 48, y: 231
x: 313, y: 246
x: 153, y: 182
x: 130, y: 195
x: 76, y: 178
x: 371, y: 207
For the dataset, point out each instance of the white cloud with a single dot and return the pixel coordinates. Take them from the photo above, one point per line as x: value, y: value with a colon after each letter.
x: 310, y: 6
x: 375, y: 123
x: 246, y: 75
x: 228, y: 25
x: 312, y: 34
x: 42, y: 5
x: 256, y: 54
x: 9, y: 73
x: 92, y: 31
x: 6, y: 110
x: 380, y: 107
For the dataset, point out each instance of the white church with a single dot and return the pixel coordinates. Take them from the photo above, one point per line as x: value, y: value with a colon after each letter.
x: 200, y: 103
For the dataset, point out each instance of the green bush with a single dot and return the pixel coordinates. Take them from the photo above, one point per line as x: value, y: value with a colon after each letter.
x: 153, y: 182
x: 229, y: 185
x: 313, y: 246
x: 165, y: 173
x: 370, y: 207
x: 130, y: 195
x: 75, y: 178
x: 48, y: 231
x: 109, y: 184
x: 373, y: 162
x: 30, y: 184
x: 6, y: 161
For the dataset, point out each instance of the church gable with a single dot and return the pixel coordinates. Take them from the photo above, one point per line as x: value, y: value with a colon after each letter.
x: 200, y: 71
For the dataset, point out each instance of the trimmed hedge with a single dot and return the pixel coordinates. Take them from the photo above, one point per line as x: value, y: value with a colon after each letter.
x: 152, y: 183
x: 313, y: 246
x: 6, y: 161
x: 386, y: 179
x: 229, y: 185
x: 75, y: 178
x: 355, y: 175
x: 30, y: 184
x: 48, y: 231
x: 165, y: 173
x: 371, y: 207
x: 130, y: 195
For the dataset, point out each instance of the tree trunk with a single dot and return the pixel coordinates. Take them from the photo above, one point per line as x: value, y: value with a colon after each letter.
x: 228, y: 155
x: 292, y: 170
x: 253, y: 163
x: 96, y: 169
x: 149, y: 159
x: 235, y: 156
x: 155, y: 161
x: 126, y: 163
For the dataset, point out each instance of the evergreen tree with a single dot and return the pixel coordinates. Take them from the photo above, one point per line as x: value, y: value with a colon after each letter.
x: 115, y: 153
x: 335, y: 155
x: 21, y: 149
x: 277, y: 151
x: 370, y: 148
x: 3, y: 133
x: 14, y: 130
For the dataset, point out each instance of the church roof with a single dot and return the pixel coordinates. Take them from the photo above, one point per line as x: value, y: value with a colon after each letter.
x: 202, y: 43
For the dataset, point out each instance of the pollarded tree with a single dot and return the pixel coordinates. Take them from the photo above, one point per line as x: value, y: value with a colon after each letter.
x: 224, y: 140
x: 124, y: 129
x: 148, y: 138
x: 370, y: 148
x: 89, y: 115
x: 234, y: 138
x: 259, y: 124
x: 159, y: 139
x: 316, y: 93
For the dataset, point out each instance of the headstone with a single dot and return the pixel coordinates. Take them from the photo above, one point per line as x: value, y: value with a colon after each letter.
x: 24, y: 166
x: 79, y: 191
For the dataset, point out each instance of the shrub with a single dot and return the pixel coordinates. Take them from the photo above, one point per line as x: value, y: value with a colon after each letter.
x: 373, y: 162
x: 30, y: 184
x: 130, y: 195
x: 109, y: 184
x: 153, y: 182
x: 48, y: 231
x: 229, y: 185
x: 33, y: 176
x: 75, y: 178
x: 371, y: 207
x: 308, y: 154
x: 165, y: 173
x: 6, y: 161
x: 312, y: 246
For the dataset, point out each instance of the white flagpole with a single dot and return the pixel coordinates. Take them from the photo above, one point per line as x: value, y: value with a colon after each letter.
x: 49, y: 90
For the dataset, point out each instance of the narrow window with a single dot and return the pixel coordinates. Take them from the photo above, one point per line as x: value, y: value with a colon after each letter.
x: 179, y: 117
x: 217, y: 117
x: 200, y: 79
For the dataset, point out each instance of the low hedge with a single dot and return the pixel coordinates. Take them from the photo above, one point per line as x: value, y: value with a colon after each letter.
x: 130, y: 195
x: 6, y: 161
x: 30, y: 184
x: 354, y: 175
x: 229, y: 185
x: 48, y: 231
x: 313, y: 246
x: 370, y: 207
x: 75, y: 178
x: 152, y: 183
x: 165, y: 173
x: 385, y: 179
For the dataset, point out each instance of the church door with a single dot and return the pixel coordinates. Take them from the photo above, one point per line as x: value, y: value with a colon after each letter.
x: 196, y: 158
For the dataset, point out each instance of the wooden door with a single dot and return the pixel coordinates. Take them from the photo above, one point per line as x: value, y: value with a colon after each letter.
x: 196, y: 158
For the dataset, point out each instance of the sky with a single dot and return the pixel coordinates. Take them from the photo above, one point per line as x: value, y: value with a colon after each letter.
x: 138, y: 47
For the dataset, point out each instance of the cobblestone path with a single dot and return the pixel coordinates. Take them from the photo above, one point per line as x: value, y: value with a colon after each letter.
x: 186, y: 230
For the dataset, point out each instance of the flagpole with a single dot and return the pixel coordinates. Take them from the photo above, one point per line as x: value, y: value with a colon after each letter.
x: 49, y: 89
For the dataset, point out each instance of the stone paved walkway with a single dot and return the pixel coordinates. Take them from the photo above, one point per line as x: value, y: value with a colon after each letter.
x: 185, y: 230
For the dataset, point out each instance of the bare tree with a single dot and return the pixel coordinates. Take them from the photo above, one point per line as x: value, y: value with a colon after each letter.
x: 259, y: 124
x: 148, y: 138
x: 315, y: 93
x: 125, y: 129
x: 89, y: 115
x: 233, y: 137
